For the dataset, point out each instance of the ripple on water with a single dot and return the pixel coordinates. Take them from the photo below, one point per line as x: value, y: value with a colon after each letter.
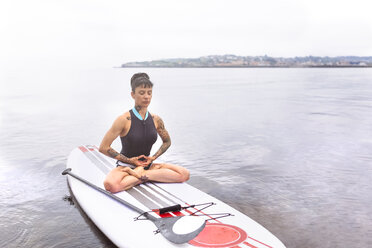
x: 16, y: 226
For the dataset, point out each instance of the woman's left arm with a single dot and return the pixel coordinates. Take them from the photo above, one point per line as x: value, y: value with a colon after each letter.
x: 164, y: 135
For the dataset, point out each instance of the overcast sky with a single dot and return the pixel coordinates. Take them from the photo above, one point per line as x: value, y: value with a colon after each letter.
x: 91, y: 32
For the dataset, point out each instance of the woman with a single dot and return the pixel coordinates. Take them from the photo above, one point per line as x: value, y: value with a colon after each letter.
x: 138, y: 130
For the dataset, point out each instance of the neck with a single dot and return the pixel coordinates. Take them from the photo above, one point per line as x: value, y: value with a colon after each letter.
x: 141, y: 110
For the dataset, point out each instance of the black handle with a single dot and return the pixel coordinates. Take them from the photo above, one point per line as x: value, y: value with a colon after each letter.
x: 170, y: 209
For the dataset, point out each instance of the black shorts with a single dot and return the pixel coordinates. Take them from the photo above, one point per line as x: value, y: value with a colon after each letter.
x: 119, y: 163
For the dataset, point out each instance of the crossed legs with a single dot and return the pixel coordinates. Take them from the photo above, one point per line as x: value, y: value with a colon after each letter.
x: 120, y: 178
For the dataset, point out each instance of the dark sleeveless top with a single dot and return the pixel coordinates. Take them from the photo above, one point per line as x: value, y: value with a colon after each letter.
x: 140, y: 138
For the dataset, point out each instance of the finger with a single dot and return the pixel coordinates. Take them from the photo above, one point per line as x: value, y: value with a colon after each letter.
x: 143, y: 164
x: 149, y: 159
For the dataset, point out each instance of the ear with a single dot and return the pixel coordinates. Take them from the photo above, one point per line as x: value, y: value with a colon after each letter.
x: 132, y: 94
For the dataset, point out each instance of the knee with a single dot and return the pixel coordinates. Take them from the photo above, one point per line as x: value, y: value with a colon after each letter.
x: 111, y: 187
x: 185, y: 175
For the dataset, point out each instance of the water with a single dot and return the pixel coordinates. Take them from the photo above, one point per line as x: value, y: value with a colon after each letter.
x: 291, y: 148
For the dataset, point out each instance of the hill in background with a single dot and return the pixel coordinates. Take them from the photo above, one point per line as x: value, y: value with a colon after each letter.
x: 230, y: 60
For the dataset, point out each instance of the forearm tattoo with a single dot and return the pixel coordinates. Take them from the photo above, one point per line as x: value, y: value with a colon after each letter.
x: 112, y: 153
x: 164, y: 135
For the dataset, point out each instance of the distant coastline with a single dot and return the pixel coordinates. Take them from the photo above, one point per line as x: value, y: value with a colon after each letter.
x: 233, y: 61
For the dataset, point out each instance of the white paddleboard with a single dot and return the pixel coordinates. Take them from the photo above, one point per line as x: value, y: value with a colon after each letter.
x: 118, y: 222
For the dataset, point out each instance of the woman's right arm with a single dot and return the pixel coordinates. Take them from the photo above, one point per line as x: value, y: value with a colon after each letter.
x: 116, y: 129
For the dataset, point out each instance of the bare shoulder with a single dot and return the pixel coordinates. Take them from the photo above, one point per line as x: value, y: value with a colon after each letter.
x: 122, y: 123
x: 126, y: 116
x: 158, y: 121
x: 154, y: 116
x: 123, y: 118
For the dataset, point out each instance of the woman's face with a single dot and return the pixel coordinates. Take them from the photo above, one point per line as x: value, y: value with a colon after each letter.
x: 142, y: 96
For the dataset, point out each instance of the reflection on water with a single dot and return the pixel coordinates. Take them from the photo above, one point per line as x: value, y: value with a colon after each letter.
x: 288, y: 147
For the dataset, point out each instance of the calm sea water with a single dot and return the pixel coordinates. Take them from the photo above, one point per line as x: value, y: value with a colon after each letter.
x: 291, y: 148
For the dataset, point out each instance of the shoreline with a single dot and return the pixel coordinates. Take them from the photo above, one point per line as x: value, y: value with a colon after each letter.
x: 346, y: 66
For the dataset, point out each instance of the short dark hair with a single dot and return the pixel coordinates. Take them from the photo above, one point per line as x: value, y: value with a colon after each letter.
x: 139, y: 79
